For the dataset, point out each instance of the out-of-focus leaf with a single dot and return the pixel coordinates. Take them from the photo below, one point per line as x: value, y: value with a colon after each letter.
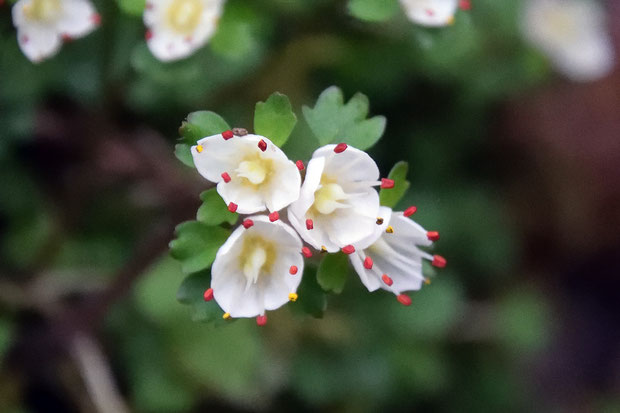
x: 390, y: 197
x: 183, y: 153
x: 333, y: 121
x: 312, y: 299
x: 202, y: 124
x: 373, y: 10
x: 237, y: 32
x: 132, y: 7
x: 6, y: 335
x: 191, y: 292
x: 275, y: 118
x: 196, y: 245
x: 333, y: 271
x: 213, y: 210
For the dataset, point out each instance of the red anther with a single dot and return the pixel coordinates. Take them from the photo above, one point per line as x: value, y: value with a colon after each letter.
x: 309, y: 224
x: 247, y: 223
x: 387, y: 280
x: 227, y: 134
x: 208, y: 295
x: 149, y: 6
x: 438, y: 261
x: 261, y: 320
x: 232, y: 207
x: 410, y: 211
x: 148, y: 35
x: 387, y: 183
x: 300, y: 165
x: 25, y: 39
x: 465, y: 5
x: 404, y: 299
x: 432, y: 235
x: 262, y: 145
x: 341, y: 147
x: 274, y: 216
x: 430, y: 12
x: 348, y: 249
x: 293, y: 270
x: 96, y: 19
x: 226, y: 177
x: 368, y: 263
x: 306, y: 251
x: 66, y: 37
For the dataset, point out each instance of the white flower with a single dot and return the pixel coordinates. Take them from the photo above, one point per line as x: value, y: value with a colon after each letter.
x: 252, y: 173
x: 337, y: 205
x: 572, y: 33
x: 258, y: 268
x: 433, y: 13
x: 390, y: 259
x: 42, y: 25
x: 176, y: 28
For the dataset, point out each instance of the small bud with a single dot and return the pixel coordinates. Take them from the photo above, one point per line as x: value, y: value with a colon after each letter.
x: 226, y: 316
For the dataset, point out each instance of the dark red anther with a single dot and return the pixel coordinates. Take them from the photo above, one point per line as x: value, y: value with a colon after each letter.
x: 293, y: 270
x: 309, y: 224
x: 387, y: 183
x: 96, y: 19
x: 368, y: 263
x: 387, y: 280
x: 226, y: 177
x: 306, y: 251
x: 274, y: 216
x: 348, y: 249
x: 232, y: 207
x: 262, y: 145
x: 247, y: 223
x: 404, y: 299
x: 465, y: 5
x: 208, y: 295
x: 341, y: 147
x: 261, y: 320
x: 148, y: 35
x: 439, y: 261
x: 432, y: 235
x: 227, y: 134
x: 410, y: 211
x: 300, y: 165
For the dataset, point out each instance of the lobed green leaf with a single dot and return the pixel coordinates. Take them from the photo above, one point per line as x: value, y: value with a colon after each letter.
x: 275, y: 118
x: 390, y: 197
x: 333, y: 271
x: 213, y: 210
x: 196, y: 245
x: 312, y: 299
x: 201, y: 124
x: 183, y: 154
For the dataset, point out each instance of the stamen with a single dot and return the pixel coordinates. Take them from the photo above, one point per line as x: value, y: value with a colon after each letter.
x: 389, y: 229
x: 261, y: 320
x: 226, y: 316
x: 208, y: 295
x: 432, y: 235
x: 227, y: 134
x: 293, y: 270
x: 341, y: 147
x: 410, y: 211
x: 450, y: 20
x: 232, y: 207
x: 66, y: 37
x: 348, y: 249
x: 323, y: 249
x: 306, y: 252
x: 465, y: 5
x: 300, y: 165
x: 404, y: 299
x: 149, y: 6
x: 96, y: 19
x: 438, y: 261
x: 427, y: 281
x: 293, y: 297
x: 247, y: 223
x: 226, y: 177
x: 239, y: 131
x: 274, y: 216
x: 387, y: 183
x: 309, y: 224
x: 199, y: 148
x: 430, y: 12
x: 379, y: 221
x: 368, y: 263
x: 387, y: 280
x: 262, y: 145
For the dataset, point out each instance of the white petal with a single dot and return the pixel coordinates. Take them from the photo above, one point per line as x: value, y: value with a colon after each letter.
x: 352, y: 225
x: 430, y: 12
x: 217, y: 156
x: 368, y: 277
x: 349, y: 166
x: 38, y: 41
x: 78, y: 18
x: 385, y: 213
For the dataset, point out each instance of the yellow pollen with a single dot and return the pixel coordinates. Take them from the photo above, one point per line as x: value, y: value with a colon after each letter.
x: 389, y: 229
x: 323, y: 249
x: 199, y: 148
x: 183, y: 16
x: 327, y: 198
x: 451, y: 20
x: 427, y: 281
x: 379, y: 221
x: 256, y: 170
x: 292, y: 297
x: 42, y: 10
x: 226, y: 316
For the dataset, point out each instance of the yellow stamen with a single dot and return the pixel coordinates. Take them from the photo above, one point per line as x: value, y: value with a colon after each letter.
x: 226, y: 316
x: 451, y: 20
x: 292, y: 297
x: 427, y: 281
x: 199, y: 148
x: 379, y: 221
x: 389, y: 229
x: 323, y: 249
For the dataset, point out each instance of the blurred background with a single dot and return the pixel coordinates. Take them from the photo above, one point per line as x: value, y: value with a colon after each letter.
x: 516, y: 166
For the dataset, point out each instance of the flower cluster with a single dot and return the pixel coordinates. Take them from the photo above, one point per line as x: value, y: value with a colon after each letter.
x: 336, y: 208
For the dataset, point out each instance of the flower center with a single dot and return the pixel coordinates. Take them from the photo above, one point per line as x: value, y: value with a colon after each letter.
x: 184, y: 15
x: 42, y: 10
x: 561, y: 23
x: 327, y: 198
x: 257, y: 256
x: 256, y: 170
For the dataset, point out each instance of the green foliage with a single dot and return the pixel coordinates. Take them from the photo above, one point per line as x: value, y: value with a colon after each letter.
x: 333, y: 121
x: 373, y: 10
x: 390, y: 197
x: 191, y: 292
x: 213, y: 210
x: 275, y: 118
x: 201, y: 124
x: 6, y: 335
x: 333, y: 271
x: 132, y: 7
x: 196, y: 245
x: 237, y: 31
x: 312, y: 300
x: 184, y: 154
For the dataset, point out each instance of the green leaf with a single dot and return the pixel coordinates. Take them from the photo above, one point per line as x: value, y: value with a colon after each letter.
x: 196, y: 245
x: 333, y: 121
x: 373, y: 10
x: 237, y: 32
x: 183, y: 154
x: 213, y: 210
x: 390, y: 197
x: 131, y: 7
x: 312, y: 299
x: 201, y: 124
x: 333, y: 272
x: 275, y: 118
x: 191, y: 292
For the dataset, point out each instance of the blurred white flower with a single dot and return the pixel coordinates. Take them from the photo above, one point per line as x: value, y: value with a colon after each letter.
x: 252, y: 173
x: 42, y: 25
x: 390, y: 258
x: 258, y: 268
x: 433, y: 13
x: 337, y: 205
x: 176, y: 28
x: 573, y: 34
